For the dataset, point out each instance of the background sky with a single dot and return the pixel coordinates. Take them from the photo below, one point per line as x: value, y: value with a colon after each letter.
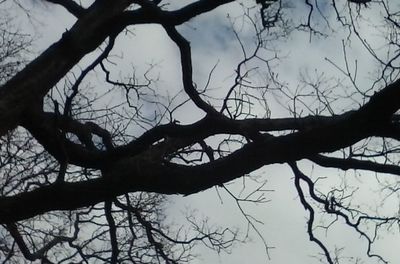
x: 214, y: 43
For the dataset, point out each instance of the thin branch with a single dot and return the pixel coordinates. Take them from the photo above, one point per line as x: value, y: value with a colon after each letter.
x: 310, y: 224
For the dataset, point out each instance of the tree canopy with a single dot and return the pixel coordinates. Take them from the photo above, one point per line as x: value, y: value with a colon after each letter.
x: 91, y: 151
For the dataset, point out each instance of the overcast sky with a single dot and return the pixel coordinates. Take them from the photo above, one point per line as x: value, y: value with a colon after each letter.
x: 214, y: 43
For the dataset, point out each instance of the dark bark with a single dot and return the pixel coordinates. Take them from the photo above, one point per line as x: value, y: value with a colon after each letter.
x: 146, y: 163
x: 146, y: 171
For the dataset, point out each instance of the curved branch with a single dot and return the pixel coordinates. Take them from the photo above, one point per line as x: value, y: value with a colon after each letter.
x: 310, y: 224
x: 144, y: 173
x: 187, y: 70
x: 331, y: 208
x: 39, y: 254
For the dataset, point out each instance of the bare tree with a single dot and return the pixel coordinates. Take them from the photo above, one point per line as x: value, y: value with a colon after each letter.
x: 80, y: 184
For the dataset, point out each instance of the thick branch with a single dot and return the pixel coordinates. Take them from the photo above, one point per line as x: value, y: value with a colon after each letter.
x: 72, y: 7
x: 383, y: 104
x: 143, y: 173
x: 45, y: 127
x: 354, y: 164
x: 102, y: 19
x: 30, y: 85
x: 171, y: 18
x: 194, y: 9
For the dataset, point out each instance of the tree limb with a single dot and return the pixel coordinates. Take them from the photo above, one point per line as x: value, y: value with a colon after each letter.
x: 71, y: 6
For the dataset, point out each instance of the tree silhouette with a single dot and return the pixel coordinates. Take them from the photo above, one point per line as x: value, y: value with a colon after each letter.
x: 73, y: 160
